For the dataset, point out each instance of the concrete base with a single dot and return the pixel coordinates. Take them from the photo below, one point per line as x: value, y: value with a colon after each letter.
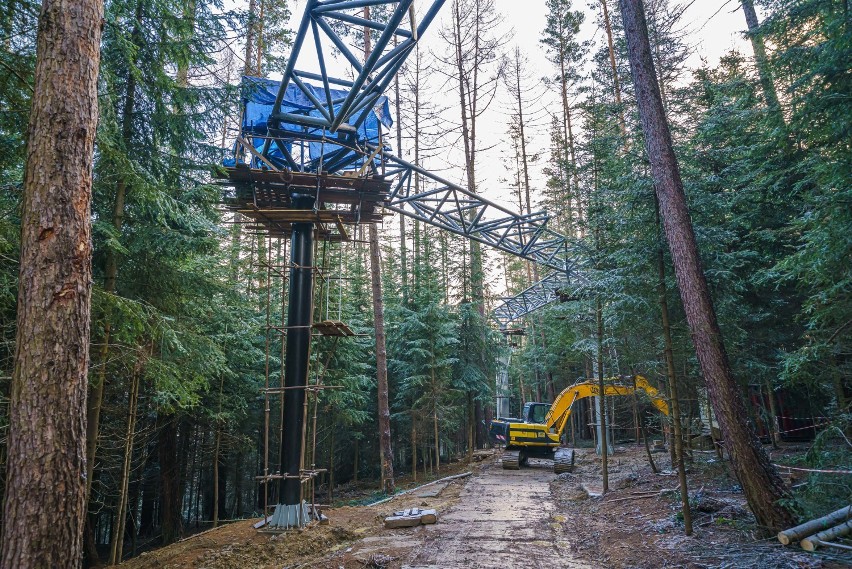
x: 288, y: 516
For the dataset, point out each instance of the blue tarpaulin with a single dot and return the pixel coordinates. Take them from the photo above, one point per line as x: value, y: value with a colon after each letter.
x: 258, y: 98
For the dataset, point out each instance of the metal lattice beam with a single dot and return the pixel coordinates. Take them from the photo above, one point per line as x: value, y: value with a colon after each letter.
x: 456, y: 209
x: 332, y: 113
x: 553, y: 287
x: 323, y: 22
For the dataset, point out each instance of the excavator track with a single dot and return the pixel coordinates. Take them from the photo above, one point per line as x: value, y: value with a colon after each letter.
x: 511, y: 460
x: 563, y: 460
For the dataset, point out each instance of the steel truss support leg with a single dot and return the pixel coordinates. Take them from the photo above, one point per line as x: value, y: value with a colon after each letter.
x: 292, y: 511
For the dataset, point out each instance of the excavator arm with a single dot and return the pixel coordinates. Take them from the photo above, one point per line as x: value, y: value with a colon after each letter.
x: 560, y: 411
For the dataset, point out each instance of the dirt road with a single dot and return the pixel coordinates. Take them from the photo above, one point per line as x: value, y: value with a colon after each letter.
x: 502, y: 519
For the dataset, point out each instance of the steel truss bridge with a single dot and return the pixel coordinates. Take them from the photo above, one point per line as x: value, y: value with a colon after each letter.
x: 311, y: 160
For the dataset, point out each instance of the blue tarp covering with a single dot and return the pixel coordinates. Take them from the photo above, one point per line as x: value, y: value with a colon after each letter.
x: 258, y: 97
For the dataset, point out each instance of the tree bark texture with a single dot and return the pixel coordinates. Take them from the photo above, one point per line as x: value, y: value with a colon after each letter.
x: 675, y: 400
x: 622, y: 125
x: 46, y: 470
x: 170, y: 488
x: 760, y: 481
x: 385, y: 450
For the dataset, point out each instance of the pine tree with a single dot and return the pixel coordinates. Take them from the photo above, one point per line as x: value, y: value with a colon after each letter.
x: 46, y: 446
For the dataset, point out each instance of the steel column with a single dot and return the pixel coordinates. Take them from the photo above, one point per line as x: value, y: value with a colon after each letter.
x: 298, y: 351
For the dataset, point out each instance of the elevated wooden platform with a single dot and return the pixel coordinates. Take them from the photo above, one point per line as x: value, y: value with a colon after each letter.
x: 333, y: 328
x: 265, y: 197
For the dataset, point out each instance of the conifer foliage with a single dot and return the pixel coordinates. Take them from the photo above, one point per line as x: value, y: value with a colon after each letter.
x: 185, y: 295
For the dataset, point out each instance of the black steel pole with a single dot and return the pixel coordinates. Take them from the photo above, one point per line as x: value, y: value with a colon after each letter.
x: 298, y: 351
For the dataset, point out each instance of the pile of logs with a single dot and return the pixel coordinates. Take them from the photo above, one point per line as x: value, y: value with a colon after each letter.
x: 821, y: 531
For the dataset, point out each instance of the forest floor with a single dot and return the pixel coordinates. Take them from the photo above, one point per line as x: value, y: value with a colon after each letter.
x: 529, y: 518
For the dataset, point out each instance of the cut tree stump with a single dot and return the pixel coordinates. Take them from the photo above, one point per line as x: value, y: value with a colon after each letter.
x: 820, y: 524
x: 411, y: 517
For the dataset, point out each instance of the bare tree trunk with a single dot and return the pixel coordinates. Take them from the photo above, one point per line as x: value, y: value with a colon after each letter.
x: 117, y: 545
x: 250, y: 35
x: 171, y: 521
x: 403, y: 246
x: 773, y: 415
x: 616, y: 83
x: 413, y: 449
x: 385, y: 448
x: 470, y: 426
x: 604, y: 442
x: 568, y: 134
x: 331, y: 464
x: 677, y: 439
x: 45, y: 500
x: 437, y: 440
x: 217, y: 445
x: 355, y: 463
x: 760, y: 481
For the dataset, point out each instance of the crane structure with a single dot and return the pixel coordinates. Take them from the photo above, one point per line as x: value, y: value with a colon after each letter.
x: 310, y: 161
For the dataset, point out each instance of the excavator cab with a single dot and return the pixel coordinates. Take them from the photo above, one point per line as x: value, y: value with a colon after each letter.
x: 535, y: 412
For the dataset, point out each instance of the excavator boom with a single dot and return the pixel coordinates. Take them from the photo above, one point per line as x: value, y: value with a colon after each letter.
x: 560, y: 411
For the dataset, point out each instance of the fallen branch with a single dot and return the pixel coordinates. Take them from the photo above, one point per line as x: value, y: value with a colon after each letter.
x: 389, y: 498
x: 654, y: 495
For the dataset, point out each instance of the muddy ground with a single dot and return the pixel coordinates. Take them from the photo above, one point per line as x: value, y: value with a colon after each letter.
x: 529, y: 518
x: 638, y: 524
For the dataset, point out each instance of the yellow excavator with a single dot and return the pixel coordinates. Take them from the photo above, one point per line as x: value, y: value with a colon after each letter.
x: 538, y: 433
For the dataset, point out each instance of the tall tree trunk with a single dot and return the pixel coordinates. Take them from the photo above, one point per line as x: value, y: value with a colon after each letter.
x: 471, y: 442
x: 117, y: 545
x: 622, y: 125
x: 403, y: 245
x: 670, y: 372
x: 413, y: 448
x: 760, y: 481
x: 437, y: 440
x: 217, y: 438
x: 604, y: 440
x: 170, y: 491
x: 568, y: 134
x: 762, y: 63
x: 385, y: 448
x: 45, y: 499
